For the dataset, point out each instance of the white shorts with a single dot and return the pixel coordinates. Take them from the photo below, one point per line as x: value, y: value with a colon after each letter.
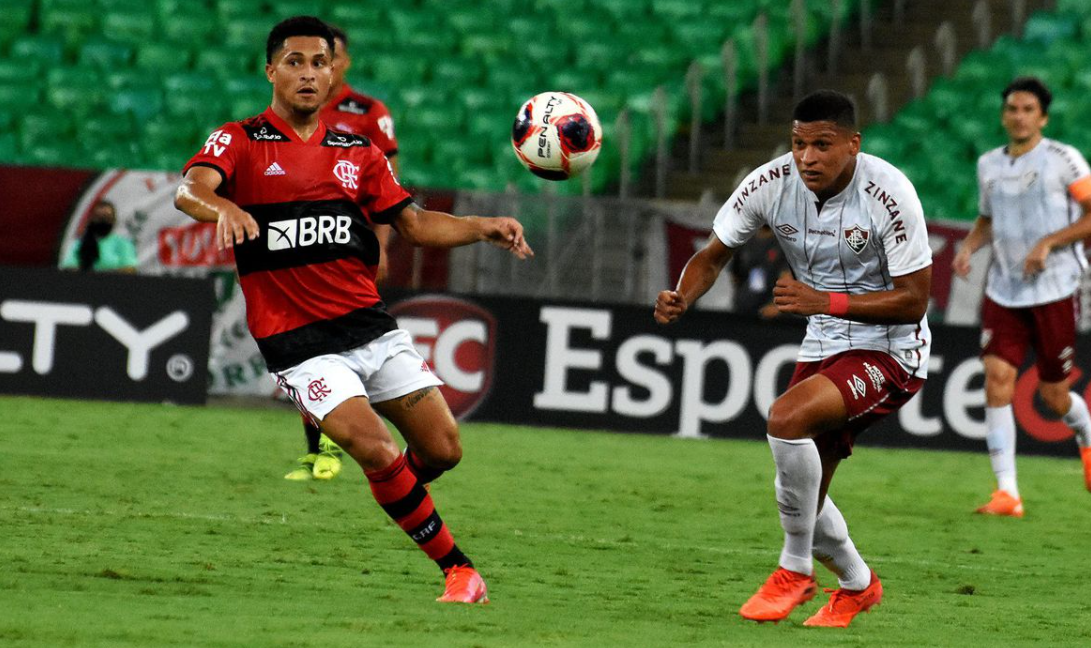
x: 385, y: 368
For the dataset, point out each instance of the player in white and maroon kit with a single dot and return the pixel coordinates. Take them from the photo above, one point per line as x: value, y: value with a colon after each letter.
x: 348, y: 111
x: 296, y: 201
x: 1035, y: 210
x: 853, y: 232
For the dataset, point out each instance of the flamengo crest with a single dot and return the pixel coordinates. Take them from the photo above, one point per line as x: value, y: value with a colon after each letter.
x: 857, y: 238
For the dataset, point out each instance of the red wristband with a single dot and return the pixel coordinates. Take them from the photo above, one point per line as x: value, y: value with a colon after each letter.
x: 839, y: 304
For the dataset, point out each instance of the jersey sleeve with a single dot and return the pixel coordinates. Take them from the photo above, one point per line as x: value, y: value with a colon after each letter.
x: 904, y: 236
x: 743, y: 213
x: 382, y: 135
x: 983, y: 206
x: 380, y: 192
x: 222, y: 151
x: 1076, y: 174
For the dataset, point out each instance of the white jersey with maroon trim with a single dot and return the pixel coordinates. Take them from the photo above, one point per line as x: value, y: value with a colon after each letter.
x: 862, y: 238
x: 1026, y: 198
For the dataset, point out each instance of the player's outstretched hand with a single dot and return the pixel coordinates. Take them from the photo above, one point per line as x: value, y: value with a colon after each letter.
x: 507, y: 233
x: 1036, y: 260
x: 235, y: 226
x: 669, y: 306
x: 961, y: 264
x: 791, y: 296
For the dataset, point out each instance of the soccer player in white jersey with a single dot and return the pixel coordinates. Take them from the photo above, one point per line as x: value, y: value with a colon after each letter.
x: 1034, y: 206
x: 851, y: 227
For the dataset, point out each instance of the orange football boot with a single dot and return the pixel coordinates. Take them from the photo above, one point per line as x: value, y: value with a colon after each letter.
x: 1002, y: 503
x: 779, y: 595
x: 845, y: 604
x: 464, y: 585
x: 1085, y: 455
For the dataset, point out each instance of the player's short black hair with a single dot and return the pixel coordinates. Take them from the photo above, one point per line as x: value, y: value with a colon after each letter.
x: 1032, y: 85
x: 296, y: 26
x: 826, y: 105
x: 339, y: 33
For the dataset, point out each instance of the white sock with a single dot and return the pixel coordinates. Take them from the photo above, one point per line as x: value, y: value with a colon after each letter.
x: 834, y: 548
x: 799, y: 476
x: 1000, y: 437
x: 1079, y: 420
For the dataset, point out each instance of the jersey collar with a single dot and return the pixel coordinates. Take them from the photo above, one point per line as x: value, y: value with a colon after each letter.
x: 345, y: 92
x: 316, y: 137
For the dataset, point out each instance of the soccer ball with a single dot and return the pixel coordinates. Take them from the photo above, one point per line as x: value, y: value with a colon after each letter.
x: 556, y: 135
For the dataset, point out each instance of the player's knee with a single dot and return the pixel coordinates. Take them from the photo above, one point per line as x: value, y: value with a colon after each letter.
x: 786, y: 422
x: 1055, y: 397
x: 446, y: 451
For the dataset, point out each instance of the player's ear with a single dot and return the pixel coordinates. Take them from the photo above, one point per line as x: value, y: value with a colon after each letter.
x: 854, y: 143
x: 269, y: 68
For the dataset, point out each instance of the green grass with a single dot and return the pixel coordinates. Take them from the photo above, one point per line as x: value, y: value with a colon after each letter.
x: 144, y: 525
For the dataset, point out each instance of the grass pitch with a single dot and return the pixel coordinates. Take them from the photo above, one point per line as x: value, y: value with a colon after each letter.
x: 143, y: 525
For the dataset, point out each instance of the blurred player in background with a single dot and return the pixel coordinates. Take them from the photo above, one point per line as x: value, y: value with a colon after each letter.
x: 348, y: 111
x: 853, y: 231
x: 295, y: 200
x: 101, y: 249
x: 1034, y: 206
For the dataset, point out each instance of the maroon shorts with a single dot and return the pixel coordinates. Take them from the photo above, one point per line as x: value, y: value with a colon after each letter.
x: 872, y: 384
x: 1049, y: 328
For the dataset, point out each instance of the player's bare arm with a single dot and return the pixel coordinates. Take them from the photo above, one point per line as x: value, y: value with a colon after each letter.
x: 439, y: 229
x: 196, y: 196
x: 1077, y: 231
x: 698, y: 276
x: 980, y: 235
x: 905, y: 304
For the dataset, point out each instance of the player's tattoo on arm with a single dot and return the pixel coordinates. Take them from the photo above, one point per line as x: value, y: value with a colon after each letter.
x: 413, y: 399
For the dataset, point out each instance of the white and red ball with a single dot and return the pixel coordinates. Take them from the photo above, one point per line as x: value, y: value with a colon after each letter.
x: 556, y: 135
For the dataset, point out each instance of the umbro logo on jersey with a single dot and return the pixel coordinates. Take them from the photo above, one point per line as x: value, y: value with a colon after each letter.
x: 787, y: 229
x: 274, y: 170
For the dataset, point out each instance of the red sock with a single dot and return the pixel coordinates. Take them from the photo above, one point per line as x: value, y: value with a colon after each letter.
x: 426, y: 474
x: 403, y: 497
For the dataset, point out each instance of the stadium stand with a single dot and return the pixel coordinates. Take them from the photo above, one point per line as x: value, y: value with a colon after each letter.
x: 453, y: 74
x: 958, y: 119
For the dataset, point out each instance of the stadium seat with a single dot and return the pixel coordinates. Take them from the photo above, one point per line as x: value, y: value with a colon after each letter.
x: 131, y: 27
x: 142, y: 102
x: 17, y: 15
x: 282, y: 9
x: 17, y: 94
x: 105, y: 54
x: 71, y: 21
x: 75, y: 91
x: 45, y: 50
x: 246, y: 32
x: 162, y: 58
x: 224, y: 62
x: 191, y: 30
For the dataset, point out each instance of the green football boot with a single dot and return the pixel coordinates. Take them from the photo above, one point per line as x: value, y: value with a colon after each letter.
x: 305, y: 470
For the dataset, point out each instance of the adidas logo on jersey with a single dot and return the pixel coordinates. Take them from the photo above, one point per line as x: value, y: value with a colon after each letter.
x: 275, y: 169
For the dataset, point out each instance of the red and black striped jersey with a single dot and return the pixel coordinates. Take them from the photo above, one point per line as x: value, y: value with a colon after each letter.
x: 309, y: 277
x: 357, y: 113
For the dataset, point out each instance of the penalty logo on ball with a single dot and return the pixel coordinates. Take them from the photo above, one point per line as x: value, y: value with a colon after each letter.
x: 556, y: 135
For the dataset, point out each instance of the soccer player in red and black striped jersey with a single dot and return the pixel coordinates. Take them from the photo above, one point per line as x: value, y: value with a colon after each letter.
x: 296, y: 200
x: 348, y: 111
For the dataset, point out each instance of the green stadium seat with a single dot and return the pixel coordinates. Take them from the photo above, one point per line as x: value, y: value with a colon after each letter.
x: 17, y: 71
x: 191, y: 31
x: 162, y: 58
x: 232, y: 9
x: 162, y: 133
x: 71, y: 22
x: 678, y: 10
x: 247, y: 32
x: 460, y: 72
x: 74, y: 91
x: 351, y: 16
x: 408, y: 20
x: 126, y: 78
x: 489, y: 46
x: 249, y: 84
x: 1044, y: 28
x: 224, y: 62
x: 142, y: 102
x: 17, y: 15
x: 45, y: 126
x: 135, y: 28
x: 45, y: 50
x: 282, y: 9
x: 436, y: 43
x: 401, y: 68
x: 18, y: 94
x: 105, y: 54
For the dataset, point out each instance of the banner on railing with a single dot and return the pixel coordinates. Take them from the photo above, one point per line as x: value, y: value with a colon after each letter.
x: 712, y: 374
x: 107, y: 336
